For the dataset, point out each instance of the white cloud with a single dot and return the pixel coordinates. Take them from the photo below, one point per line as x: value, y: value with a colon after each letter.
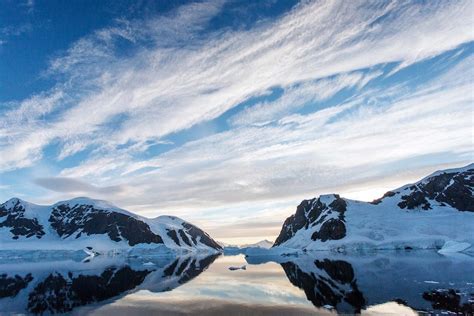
x: 195, y: 78
x: 61, y: 184
x: 297, y: 96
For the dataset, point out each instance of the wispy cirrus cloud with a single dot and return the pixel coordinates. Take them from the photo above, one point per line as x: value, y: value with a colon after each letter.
x: 297, y: 96
x: 8, y: 32
x: 216, y: 71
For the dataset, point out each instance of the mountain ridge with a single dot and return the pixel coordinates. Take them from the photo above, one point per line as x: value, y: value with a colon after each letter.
x: 440, y: 208
x: 82, y: 222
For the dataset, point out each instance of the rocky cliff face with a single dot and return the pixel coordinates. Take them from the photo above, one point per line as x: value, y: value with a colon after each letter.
x: 324, y: 215
x: 86, y: 219
x: 436, y: 208
x: 14, y: 219
x: 85, y: 222
x: 453, y: 188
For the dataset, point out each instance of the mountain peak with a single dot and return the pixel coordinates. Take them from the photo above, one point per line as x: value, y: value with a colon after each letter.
x: 88, y: 201
x: 451, y: 170
x: 15, y: 201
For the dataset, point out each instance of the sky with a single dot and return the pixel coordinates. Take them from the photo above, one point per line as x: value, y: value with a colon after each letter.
x: 229, y: 113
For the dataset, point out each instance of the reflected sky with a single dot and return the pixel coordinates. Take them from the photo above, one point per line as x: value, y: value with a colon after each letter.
x: 264, y: 284
x: 261, y: 289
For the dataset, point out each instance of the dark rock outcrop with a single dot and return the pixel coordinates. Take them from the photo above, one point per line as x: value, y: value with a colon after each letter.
x: 197, y: 233
x: 379, y: 200
x: 332, y: 229
x: 85, y: 219
x: 172, y: 234
x: 10, y: 286
x: 314, y: 212
x: 447, y: 188
x: 416, y: 199
x: 14, y: 218
x: 450, y: 300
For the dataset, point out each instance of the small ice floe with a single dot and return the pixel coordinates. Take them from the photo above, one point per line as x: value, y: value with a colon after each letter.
x: 431, y: 282
x: 148, y: 264
x: 330, y: 307
x: 91, y: 252
x: 244, y: 267
x: 451, y: 247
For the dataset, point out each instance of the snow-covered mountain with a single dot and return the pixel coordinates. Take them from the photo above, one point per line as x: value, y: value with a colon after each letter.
x: 242, y: 249
x: 261, y: 244
x: 435, y: 212
x: 84, y: 222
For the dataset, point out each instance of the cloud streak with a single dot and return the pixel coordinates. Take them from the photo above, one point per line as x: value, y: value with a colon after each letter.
x: 68, y: 185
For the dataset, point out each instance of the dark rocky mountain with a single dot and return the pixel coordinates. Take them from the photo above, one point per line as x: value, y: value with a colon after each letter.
x: 453, y: 188
x: 15, y: 220
x: 315, y: 212
x: 80, y: 219
x: 83, y: 222
x: 443, y: 200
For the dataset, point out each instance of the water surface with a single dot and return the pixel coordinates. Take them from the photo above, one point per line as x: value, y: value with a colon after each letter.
x: 320, y: 283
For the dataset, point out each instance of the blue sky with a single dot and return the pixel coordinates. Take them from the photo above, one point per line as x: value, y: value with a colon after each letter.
x: 228, y: 113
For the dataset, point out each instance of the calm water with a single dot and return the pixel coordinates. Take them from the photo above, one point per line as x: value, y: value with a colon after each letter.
x: 402, y: 283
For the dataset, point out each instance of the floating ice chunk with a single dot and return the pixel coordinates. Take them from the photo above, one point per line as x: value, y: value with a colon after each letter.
x: 91, y: 252
x: 453, y: 247
x: 148, y: 263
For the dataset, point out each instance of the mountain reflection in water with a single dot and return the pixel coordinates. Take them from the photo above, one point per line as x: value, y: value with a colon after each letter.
x: 397, y: 282
x: 424, y: 281
x: 61, y: 286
